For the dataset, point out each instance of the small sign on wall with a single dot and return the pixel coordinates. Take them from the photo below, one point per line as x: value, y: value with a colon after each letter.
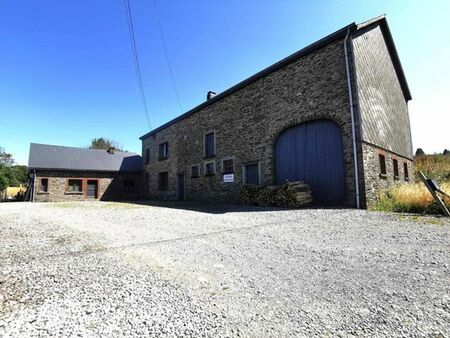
x: 228, y: 178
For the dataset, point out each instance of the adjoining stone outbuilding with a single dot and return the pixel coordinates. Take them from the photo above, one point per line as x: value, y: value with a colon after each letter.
x: 334, y: 115
x: 60, y: 173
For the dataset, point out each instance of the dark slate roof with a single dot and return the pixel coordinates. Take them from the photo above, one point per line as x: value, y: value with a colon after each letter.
x: 339, y: 34
x: 45, y: 156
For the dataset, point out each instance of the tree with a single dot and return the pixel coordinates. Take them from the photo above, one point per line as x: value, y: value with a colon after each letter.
x: 446, y: 152
x: 104, y: 143
x: 420, y: 152
x: 5, y: 158
x: 11, y: 175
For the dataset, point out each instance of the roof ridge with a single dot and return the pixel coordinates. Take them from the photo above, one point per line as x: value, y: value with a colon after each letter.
x: 87, y: 148
x: 371, y: 21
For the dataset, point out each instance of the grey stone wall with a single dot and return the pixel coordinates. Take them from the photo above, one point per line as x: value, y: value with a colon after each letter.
x: 248, y: 122
x: 383, y: 108
x: 110, y: 186
x: 374, y: 182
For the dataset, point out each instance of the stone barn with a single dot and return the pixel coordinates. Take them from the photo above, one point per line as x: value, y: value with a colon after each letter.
x: 333, y: 114
x: 60, y: 173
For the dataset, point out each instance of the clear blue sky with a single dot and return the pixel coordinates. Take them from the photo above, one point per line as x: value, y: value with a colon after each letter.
x: 66, y: 69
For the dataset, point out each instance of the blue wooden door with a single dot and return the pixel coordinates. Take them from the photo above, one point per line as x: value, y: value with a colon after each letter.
x: 312, y: 152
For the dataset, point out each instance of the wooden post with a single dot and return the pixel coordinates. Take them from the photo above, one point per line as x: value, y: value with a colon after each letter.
x: 435, y: 196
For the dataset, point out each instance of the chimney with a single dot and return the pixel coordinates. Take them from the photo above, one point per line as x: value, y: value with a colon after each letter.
x: 111, y: 150
x: 210, y: 95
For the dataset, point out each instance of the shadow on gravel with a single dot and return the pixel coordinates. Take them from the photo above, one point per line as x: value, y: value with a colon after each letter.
x: 211, y: 208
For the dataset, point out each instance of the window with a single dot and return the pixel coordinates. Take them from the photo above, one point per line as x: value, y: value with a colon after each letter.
x: 395, y: 165
x: 44, y: 185
x: 251, y: 174
x: 210, y: 169
x: 228, y: 166
x: 210, y: 144
x: 75, y: 185
x: 147, y: 156
x: 163, y: 151
x: 382, y: 160
x: 128, y: 185
x: 195, y: 171
x: 163, y: 180
x: 405, y: 171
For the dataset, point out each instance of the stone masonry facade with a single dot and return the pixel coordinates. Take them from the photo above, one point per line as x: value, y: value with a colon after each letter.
x: 247, y: 123
x: 376, y: 182
x: 110, y: 186
x: 383, y: 112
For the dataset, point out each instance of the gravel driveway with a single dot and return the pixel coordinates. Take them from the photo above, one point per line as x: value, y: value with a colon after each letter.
x: 117, y: 269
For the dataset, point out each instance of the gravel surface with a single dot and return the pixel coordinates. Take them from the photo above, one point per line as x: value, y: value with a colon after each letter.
x: 177, y: 269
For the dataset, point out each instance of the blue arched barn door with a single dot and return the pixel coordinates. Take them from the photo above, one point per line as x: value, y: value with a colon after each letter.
x: 312, y: 152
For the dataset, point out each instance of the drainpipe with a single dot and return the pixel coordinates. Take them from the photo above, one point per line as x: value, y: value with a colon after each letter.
x: 34, y: 186
x: 352, y: 114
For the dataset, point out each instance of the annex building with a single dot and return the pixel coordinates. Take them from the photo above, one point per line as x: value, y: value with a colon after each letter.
x: 334, y: 114
x: 60, y: 173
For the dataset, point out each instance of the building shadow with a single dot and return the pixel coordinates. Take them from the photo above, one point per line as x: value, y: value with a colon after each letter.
x: 210, y: 208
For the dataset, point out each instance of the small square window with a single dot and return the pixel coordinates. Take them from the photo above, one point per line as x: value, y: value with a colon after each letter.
x: 395, y: 166
x: 195, y: 171
x: 405, y: 171
x: 210, y: 169
x: 228, y: 166
x: 163, y: 151
x: 163, y: 180
x: 251, y: 174
x: 75, y: 185
x: 382, y: 161
x: 44, y: 185
x: 210, y: 144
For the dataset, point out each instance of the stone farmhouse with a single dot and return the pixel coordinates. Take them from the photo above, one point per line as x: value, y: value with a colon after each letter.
x: 333, y: 114
x: 75, y: 174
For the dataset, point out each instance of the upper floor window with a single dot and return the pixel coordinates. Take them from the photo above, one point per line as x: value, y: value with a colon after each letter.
x: 382, y: 161
x: 163, y: 151
x: 228, y: 166
x: 395, y: 165
x: 405, y: 171
x: 147, y: 156
x: 44, y: 185
x: 210, y: 144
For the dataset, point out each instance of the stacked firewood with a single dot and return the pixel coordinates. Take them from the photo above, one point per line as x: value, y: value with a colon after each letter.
x: 290, y: 194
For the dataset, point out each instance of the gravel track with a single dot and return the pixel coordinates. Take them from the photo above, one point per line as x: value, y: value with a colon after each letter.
x: 178, y: 269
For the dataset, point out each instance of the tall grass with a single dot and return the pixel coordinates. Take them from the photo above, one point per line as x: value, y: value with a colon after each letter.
x: 413, y: 198
x: 416, y: 198
x: 434, y: 166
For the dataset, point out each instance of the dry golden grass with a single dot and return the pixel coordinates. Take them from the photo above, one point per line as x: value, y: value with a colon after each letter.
x: 434, y: 166
x: 410, y: 198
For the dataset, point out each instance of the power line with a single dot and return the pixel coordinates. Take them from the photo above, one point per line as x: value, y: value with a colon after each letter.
x: 167, y: 56
x: 136, y: 59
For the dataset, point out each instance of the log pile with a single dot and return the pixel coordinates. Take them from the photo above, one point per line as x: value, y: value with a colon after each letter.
x: 290, y: 195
